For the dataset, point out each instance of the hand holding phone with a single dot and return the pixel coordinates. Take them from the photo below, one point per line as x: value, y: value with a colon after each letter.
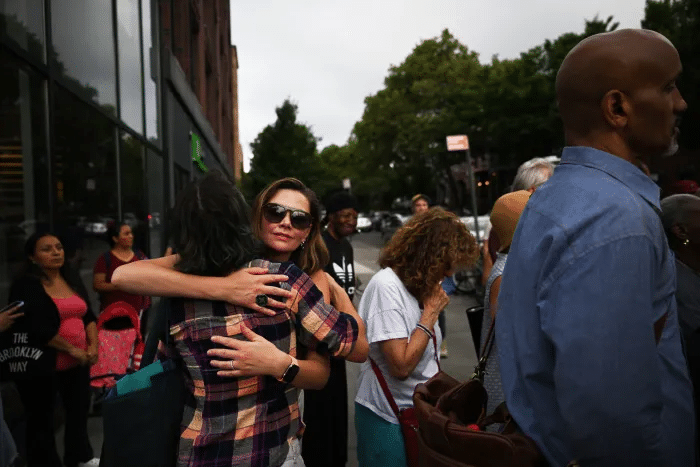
x: 9, y: 314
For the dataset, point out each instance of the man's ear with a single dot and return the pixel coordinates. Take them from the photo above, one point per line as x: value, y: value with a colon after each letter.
x: 615, y: 107
x: 679, y: 231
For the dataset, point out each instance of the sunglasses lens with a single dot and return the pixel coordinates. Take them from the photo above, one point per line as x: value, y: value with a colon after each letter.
x: 300, y: 220
x: 274, y: 213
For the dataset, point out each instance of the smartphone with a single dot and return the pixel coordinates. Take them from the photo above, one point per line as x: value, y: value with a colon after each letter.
x: 12, y: 305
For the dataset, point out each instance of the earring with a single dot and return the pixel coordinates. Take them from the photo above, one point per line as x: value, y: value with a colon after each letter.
x: 686, y: 242
x: 303, y: 242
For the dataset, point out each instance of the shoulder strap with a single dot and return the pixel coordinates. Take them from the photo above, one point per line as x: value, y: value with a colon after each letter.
x: 437, y: 354
x: 480, y: 368
x: 385, y: 387
x: 158, y: 331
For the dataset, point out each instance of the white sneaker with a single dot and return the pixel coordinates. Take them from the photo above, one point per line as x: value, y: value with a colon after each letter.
x: 94, y: 462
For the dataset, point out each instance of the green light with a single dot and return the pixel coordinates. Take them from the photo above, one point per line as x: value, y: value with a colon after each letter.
x: 196, y: 152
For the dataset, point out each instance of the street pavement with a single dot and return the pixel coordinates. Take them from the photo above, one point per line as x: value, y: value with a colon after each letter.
x: 460, y: 363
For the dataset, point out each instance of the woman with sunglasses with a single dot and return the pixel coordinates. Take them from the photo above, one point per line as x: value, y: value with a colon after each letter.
x: 242, y: 416
x: 286, y: 218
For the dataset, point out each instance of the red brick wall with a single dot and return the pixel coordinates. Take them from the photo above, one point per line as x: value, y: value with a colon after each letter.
x: 199, y: 37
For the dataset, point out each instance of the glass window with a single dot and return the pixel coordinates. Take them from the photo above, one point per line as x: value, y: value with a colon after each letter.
x: 83, y: 42
x: 156, y: 207
x: 150, y: 71
x: 134, y: 209
x: 129, y: 46
x: 23, y: 22
x: 24, y: 203
x: 85, y: 178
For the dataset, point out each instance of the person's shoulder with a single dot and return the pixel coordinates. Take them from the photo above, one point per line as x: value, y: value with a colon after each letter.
x: 385, y: 278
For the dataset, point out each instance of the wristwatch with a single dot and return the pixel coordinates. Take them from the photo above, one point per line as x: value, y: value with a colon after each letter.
x: 291, y: 372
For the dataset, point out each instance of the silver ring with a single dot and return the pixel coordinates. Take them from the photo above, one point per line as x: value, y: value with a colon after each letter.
x: 230, y: 362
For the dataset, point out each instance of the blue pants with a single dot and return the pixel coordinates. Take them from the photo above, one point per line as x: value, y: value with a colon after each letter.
x: 379, y: 443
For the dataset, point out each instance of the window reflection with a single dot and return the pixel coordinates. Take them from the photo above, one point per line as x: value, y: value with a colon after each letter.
x: 23, y: 22
x: 82, y: 36
x: 85, y: 177
x: 23, y: 161
x: 130, y: 90
x: 150, y: 72
x: 156, y: 215
x: 131, y: 167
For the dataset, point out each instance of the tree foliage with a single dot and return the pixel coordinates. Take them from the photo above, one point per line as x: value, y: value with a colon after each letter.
x: 506, y: 107
x: 286, y: 148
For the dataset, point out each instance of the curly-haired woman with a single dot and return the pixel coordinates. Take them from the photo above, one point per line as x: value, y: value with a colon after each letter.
x: 400, y: 307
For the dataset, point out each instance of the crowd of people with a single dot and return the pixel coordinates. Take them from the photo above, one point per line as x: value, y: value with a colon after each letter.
x: 591, y: 307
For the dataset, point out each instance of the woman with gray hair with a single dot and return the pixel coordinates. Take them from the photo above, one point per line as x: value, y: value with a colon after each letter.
x: 681, y: 220
x: 531, y: 174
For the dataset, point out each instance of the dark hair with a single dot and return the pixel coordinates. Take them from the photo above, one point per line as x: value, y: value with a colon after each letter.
x: 313, y: 255
x: 114, y: 228
x: 426, y: 247
x: 33, y: 270
x: 211, y: 227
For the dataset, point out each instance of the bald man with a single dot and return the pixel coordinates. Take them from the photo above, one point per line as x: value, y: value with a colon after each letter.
x: 590, y: 350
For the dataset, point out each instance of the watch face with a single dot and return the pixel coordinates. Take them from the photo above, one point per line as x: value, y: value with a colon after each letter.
x: 291, y: 373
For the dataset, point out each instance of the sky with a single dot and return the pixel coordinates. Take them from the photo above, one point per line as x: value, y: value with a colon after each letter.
x: 328, y: 55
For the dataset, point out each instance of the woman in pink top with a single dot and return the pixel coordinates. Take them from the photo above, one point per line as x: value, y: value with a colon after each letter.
x: 49, y: 351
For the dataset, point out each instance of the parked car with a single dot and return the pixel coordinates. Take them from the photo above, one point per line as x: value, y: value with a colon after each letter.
x: 484, y: 226
x: 364, y: 224
x: 97, y: 226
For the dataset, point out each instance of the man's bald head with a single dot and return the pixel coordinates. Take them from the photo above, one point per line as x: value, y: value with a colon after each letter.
x: 624, y: 61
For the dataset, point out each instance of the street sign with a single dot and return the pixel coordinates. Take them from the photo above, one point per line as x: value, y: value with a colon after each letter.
x: 457, y: 143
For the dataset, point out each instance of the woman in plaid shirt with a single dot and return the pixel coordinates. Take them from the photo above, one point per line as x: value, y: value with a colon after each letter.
x: 243, y: 414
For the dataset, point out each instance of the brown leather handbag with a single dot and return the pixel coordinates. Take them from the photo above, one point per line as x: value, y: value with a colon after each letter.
x: 452, y: 421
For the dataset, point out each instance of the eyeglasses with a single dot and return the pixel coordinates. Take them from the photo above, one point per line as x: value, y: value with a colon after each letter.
x: 275, y: 213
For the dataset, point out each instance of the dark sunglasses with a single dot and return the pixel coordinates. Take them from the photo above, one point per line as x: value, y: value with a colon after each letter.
x: 275, y: 213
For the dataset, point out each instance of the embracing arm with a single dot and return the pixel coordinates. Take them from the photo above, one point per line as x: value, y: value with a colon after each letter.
x: 403, y: 355
x: 258, y: 356
x: 158, y: 277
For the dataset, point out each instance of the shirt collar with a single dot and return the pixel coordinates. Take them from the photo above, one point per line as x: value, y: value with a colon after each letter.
x: 618, y: 168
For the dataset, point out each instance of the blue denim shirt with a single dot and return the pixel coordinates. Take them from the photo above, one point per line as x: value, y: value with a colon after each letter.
x: 589, y: 273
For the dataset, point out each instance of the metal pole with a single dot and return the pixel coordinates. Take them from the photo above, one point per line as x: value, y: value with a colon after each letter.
x: 472, y: 188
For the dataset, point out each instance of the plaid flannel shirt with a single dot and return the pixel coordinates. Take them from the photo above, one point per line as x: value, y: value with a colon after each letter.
x: 249, y: 421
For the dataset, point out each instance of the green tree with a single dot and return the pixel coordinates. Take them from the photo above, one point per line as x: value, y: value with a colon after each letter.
x: 679, y: 21
x: 286, y: 148
x: 507, y: 108
x: 520, y: 113
x: 433, y: 93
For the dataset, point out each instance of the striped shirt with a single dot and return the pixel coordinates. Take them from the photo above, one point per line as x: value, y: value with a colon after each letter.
x: 249, y: 421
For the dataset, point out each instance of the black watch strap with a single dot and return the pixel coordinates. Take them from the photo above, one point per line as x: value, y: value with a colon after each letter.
x: 291, y: 372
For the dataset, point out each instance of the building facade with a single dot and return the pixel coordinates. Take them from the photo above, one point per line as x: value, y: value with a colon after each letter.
x: 107, y: 109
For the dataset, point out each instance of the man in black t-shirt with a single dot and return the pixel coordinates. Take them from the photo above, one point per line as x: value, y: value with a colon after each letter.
x: 342, y: 220
x: 325, y: 441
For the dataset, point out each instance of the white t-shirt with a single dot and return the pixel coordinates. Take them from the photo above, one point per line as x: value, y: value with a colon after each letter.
x: 391, y: 312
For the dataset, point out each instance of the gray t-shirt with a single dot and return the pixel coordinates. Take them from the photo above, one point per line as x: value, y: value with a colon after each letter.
x: 391, y: 312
